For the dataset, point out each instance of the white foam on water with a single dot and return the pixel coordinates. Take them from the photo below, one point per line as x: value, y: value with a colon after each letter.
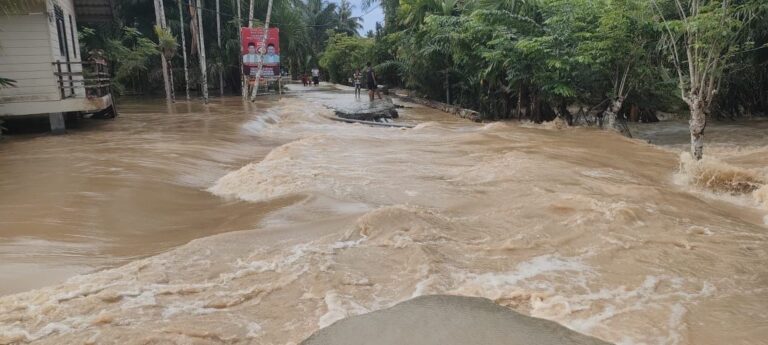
x: 663, y: 294
x: 347, y: 244
x: 146, y: 298
x: 254, y: 329
x: 495, y: 285
x: 338, y: 308
x: 422, y: 286
x: 188, y: 308
x: 676, y: 323
x: 13, y: 335
x: 719, y: 180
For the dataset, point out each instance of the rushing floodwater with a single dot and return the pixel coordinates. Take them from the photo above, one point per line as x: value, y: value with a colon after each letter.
x: 316, y: 220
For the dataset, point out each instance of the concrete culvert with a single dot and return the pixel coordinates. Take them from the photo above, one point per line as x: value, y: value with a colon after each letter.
x: 447, y: 320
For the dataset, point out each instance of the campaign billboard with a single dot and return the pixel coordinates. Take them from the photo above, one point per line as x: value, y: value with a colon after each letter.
x: 251, y: 47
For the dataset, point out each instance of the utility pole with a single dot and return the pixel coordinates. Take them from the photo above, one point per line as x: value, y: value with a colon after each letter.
x: 263, y: 50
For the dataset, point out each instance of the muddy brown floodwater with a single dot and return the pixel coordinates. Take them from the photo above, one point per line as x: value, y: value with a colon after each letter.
x: 261, y: 223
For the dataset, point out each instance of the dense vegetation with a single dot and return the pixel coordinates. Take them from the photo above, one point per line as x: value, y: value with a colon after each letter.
x: 587, y: 61
x: 603, y: 61
x: 532, y: 59
x: 131, y: 42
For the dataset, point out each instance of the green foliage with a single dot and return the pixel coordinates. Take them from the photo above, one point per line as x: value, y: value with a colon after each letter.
x: 166, y: 43
x: 343, y: 55
x: 129, y: 53
x: 532, y: 58
x: 495, y: 56
x: 709, y: 45
x: 5, y: 82
x: 305, y: 26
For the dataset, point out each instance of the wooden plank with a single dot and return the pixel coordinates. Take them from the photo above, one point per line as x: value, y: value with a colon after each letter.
x: 24, y: 23
x: 30, y: 91
x: 9, y: 44
x: 7, y: 35
x: 34, y: 83
x: 29, y: 75
x: 29, y: 86
x: 28, y: 98
x: 64, y: 105
x: 26, y: 67
x: 42, y: 50
x: 26, y: 91
x: 20, y: 59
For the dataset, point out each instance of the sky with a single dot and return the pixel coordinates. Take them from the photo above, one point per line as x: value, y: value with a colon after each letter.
x: 370, y: 17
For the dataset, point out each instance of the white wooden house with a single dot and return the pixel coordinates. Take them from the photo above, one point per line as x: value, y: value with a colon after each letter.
x: 39, y: 49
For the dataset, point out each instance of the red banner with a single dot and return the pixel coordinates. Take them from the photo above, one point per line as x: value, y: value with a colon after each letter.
x: 251, y: 47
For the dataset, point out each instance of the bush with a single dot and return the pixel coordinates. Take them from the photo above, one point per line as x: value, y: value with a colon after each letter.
x: 343, y: 54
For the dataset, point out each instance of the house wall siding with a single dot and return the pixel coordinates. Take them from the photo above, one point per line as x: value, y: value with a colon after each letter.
x: 25, y: 56
x: 29, y: 43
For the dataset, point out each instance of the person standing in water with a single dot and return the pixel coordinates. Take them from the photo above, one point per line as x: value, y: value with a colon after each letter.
x: 357, y: 80
x: 370, y: 77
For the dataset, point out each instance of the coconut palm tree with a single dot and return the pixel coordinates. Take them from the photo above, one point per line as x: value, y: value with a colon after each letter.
x: 319, y: 15
x: 348, y: 23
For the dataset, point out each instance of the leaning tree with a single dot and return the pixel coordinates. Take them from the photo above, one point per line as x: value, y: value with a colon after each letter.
x: 703, y: 38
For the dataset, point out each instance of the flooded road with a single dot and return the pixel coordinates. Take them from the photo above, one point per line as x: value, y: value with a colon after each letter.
x: 299, y: 221
x: 111, y: 191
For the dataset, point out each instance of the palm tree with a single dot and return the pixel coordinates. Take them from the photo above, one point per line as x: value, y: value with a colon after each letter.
x: 295, y: 45
x: 416, y: 10
x: 347, y: 23
x: 390, y: 9
x: 319, y: 15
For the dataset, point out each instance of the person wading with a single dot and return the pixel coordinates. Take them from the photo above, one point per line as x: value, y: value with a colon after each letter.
x: 357, y: 80
x: 370, y: 77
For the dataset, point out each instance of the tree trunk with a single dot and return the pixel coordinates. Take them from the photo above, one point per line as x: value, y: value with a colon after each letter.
x: 201, y: 50
x: 184, y: 49
x: 611, y: 117
x: 634, y: 113
x: 170, y: 81
x: 562, y: 110
x: 535, y: 107
x: 193, y: 49
x: 697, y: 124
x: 611, y: 113
x: 263, y: 49
x: 218, y: 39
x: 447, y: 89
x: 239, y: 58
x: 520, y: 102
x: 250, y: 15
x: 160, y: 21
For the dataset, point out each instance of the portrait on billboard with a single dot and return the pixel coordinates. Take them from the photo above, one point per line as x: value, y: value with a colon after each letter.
x: 252, y: 50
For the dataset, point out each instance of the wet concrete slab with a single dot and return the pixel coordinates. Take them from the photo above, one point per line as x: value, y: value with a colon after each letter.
x: 447, y: 320
x: 377, y: 110
x: 347, y: 105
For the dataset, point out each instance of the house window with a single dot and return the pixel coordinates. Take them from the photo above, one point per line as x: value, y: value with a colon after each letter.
x: 61, y: 31
x: 72, y: 33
